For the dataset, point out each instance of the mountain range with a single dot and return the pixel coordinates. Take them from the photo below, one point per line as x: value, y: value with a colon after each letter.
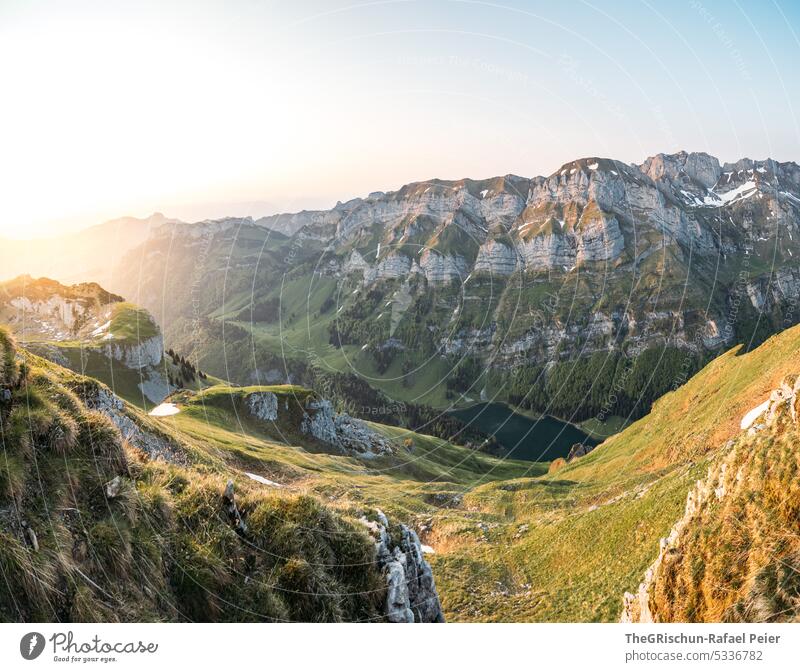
x: 446, y: 292
x: 291, y: 456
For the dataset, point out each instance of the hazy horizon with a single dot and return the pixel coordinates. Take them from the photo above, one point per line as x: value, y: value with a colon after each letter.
x: 201, y: 110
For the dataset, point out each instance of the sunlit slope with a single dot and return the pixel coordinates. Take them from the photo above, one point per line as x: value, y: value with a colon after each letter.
x: 94, y: 529
x: 507, y: 541
x: 566, y: 546
x: 735, y: 554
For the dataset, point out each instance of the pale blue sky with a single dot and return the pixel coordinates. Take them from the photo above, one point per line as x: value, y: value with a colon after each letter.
x: 209, y: 108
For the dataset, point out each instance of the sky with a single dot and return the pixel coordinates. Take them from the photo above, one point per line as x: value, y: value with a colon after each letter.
x: 249, y: 107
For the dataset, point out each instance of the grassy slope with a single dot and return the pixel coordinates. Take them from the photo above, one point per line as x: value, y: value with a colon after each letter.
x: 512, y: 542
x: 162, y: 549
x: 523, y: 545
x: 131, y: 324
x: 738, y: 557
x: 594, y: 526
x: 404, y: 482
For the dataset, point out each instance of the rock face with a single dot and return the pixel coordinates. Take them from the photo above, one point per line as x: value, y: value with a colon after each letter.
x: 411, y: 595
x: 439, y: 268
x: 349, y: 435
x: 44, y: 309
x: 662, y: 254
x: 99, y: 398
x: 263, y: 405
x: 697, y: 166
x: 60, y: 311
x: 147, y: 353
x: 496, y: 258
x: 51, y: 318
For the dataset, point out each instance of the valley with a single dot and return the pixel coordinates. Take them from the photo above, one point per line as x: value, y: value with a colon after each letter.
x: 480, y: 400
x: 503, y: 539
x: 585, y: 294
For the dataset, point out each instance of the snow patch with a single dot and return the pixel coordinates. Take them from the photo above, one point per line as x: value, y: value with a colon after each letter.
x: 165, y: 409
x: 744, y: 191
x: 262, y: 480
x: 752, y: 415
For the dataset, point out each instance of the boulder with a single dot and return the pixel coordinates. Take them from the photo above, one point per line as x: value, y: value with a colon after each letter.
x: 113, y: 487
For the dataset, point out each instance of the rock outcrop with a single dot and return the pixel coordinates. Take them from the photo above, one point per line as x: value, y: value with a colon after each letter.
x: 411, y: 595
x: 101, y: 399
x: 147, y: 353
x: 347, y: 434
x: 263, y: 405
x: 579, y: 450
x: 68, y: 324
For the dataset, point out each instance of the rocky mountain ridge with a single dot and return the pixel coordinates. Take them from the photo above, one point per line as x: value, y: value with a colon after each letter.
x: 72, y: 324
x: 679, y: 253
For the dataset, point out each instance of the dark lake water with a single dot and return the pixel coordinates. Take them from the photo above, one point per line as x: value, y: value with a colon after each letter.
x: 524, y: 438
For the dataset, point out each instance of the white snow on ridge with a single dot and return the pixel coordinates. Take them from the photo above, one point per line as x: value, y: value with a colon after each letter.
x: 691, y: 198
x: 593, y: 166
x: 101, y: 328
x: 745, y: 190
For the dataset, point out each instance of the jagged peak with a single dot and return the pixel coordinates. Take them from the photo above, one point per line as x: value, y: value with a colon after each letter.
x: 590, y: 164
x: 699, y: 166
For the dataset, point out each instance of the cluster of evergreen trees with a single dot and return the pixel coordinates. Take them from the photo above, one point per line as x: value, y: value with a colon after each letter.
x: 186, y: 371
